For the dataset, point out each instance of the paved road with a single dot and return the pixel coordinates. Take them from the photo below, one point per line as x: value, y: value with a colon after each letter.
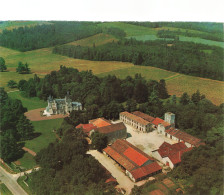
x: 10, y: 181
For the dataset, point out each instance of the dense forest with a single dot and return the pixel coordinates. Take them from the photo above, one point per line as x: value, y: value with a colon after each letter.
x: 214, y: 31
x: 14, y: 127
x: 184, y: 57
x: 40, y: 36
x: 48, y: 35
x: 67, y: 169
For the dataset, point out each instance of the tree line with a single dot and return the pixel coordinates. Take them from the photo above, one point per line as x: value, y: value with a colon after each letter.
x: 41, y: 36
x: 183, y: 57
x: 14, y: 127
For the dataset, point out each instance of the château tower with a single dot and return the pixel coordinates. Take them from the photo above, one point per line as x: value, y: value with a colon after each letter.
x: 170, y: 118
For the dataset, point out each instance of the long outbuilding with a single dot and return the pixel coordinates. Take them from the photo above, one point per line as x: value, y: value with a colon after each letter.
x: 137, y: 164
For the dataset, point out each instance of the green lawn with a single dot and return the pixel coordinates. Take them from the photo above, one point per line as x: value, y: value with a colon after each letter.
x: 21, y: 181
x: 27, y: 161
x: 29, y: 103
x: 47, y: 136
x: 4, y: 190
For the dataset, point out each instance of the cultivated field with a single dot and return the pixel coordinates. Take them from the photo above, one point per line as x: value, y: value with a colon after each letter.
x: 29, y: 103
x: 177, y: 83
x: 98, y: 39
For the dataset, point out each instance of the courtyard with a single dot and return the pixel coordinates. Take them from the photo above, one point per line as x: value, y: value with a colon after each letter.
x: 146, y: 142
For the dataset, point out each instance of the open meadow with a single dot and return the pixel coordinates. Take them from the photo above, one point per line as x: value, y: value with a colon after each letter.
x: 42, y: 61
x: 98, y: 39
x: 176, y: 83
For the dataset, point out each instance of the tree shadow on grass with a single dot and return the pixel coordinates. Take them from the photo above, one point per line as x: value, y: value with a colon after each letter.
x: 35, y: 135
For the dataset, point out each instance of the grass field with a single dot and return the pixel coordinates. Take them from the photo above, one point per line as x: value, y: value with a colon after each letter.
x: 177, y: 83
x: 98, y: 39
x: 26, y: 162
x: 21, y: 182
x: 4, y: 190
x: 47, y: 135
x: 6, y: 76
x: 142, y: 33
x: 42, y: 61
x: 147, y: 72
x: 29, y: 103
x: 182, y: 38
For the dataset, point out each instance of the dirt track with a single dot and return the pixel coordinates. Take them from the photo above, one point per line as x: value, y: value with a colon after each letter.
x: 29, y: 151
x: 35, y: 115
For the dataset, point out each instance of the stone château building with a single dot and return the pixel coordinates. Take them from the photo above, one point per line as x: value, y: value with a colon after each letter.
x: 61, y: 106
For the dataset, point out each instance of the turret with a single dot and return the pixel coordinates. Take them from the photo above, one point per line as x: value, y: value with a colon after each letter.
x: 170, y: 118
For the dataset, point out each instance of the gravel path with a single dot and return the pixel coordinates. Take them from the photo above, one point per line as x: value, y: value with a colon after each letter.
x: 34, y: 115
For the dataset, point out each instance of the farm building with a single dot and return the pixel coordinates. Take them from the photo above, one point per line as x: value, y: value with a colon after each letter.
x: 100, y: 122
x: 170, y: 155
x: 101, y: 125
x: 136, y: 122
x: 61, y: 106
x: 86, y: 128
x: 181, y: 136
x: 137, y: 164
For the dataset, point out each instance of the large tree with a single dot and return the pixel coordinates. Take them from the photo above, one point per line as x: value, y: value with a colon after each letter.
x: 10, y: 149
x: 2, y: 64
x: 24, y: 128
x: 99, y: 141
x: 23, y: 68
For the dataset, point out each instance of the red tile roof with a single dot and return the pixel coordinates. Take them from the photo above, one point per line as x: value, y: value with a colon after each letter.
x: 146, y: 170
x: 144, y: 116
x: 176, y: 157
x: 86, y: 127
x: 167, y: 149
x: 157, y: 121
x: 173, y: 152
x: 138, y: 163
x: 111, y: 128
x: 135, y: 156
x: 166, y: 124
x: 135, y: 118
x: 100, y: 122
x: 185, y: 137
